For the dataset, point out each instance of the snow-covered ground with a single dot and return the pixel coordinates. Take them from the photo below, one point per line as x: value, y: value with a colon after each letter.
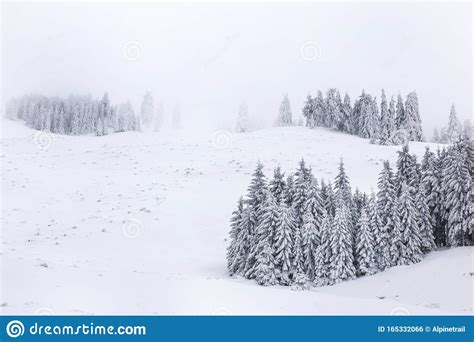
x: 136, y: 223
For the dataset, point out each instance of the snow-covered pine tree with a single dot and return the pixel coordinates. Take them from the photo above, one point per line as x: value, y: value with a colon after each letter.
x: 310, y: 243
x: 347, y: 114
x: 285, y: 116
x: 264, y: 268
x: 328, y: 198
x: 406, y: 170
x: 320, y: 117
x: 257, y: 192
x: 284, y: 243
x: 411, y: 252
x: 277, y: 185
x: 289, y: 191
x: 453, y: 130
x: 242, y: 119
x: 431, y: 179
x: 308, y: 111
x: 467, y: 129
x: 301, y: 189
x: 147, y: 111
x: 342, y: 259
x: 265, y: 272
x: 385, y: 129
x: 424, y: 220
x: 400, y: 113
x: 365, y: 254
x: 233, y: 261
x: 342, y: 187
x: 386, y: 220
x: 392, y: 112
x: 334, y: 110
x: 457, y: 183
x: 412, y: 118
x: 324, y: 253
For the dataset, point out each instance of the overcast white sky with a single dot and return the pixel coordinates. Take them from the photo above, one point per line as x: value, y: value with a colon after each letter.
x: 210, y: 57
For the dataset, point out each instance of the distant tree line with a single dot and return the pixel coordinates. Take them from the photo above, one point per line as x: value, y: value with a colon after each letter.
x: 392, y: 123
x: 297, y: 231
x: 453, y: 130
x: 74, y: 115
x: 79, y: 115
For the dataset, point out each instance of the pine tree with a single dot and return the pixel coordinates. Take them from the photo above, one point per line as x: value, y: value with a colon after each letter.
x: 424, y: 220
x: 411, y: 252
x: 342, y: 187
x: 320, y: 116
x: 342, y: 260
x: 412, y: 121
x: 400, y: 113
x: 454, y: 129
x: 233, y: 256
x: 284, y: 243
x: 324, y: 253
x: 265, y: 272
x: 386, y: 220
x: 308, y: 111
x: 458, y: 182
x: 310, y: 242
x: 257, y: 192
x: 431, y: 169
x: 264, y: 268
x: 334, y: 110
x: 406, y: 170
x: 436, y: 137
x: 277, y: 185
x: 242, y: 119
x: 347, y: 114
x: 385, y: 129
x: 285, y: 116
x: 365, y: 254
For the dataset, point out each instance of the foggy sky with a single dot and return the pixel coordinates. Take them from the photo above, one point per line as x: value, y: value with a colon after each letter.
x: 210, y: 57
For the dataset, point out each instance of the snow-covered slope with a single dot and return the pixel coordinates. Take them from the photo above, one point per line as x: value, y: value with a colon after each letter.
x: 137, y: 224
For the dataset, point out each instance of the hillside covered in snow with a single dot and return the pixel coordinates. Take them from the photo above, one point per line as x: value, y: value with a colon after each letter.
x: 138, y: 223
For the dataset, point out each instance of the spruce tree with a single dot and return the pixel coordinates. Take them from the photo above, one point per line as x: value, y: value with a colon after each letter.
x: 386, y: 219
x: 233, y: 261
x: 412, y: 121
x: 265, y: 272
x: 284, y: 244
x: 411, y: 252
x: 342, y: 259
x: 308, y: 111
x: 365, y: 254
x: 242, y: 124
x: 347, y: 114
x: 277, y: 184
x: 424, y: 220
x: 453, y: 131
x: 324, y: 253
x: 285, y: 116
x: 400, y: 113
x: 385, y: 129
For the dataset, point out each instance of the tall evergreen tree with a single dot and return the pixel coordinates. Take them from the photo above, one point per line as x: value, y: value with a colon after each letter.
x: 400, y: 113
x: 342, y: 260
x: 285, y: 116
x: 324, y: 252
x: 365, y: 254
x: 277, y: 184
x: 412, y: 121
x: 284, y: 242
x: 424, y: 220
x: 242, y: 119
x: 233, y: 256
x: 453, y: 131
x: 308, y: 111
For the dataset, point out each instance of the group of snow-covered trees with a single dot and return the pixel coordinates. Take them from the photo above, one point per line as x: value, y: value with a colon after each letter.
x: 453, y: 130
x: 395, y: 122
x: 74, y: 115
x: 78, y: 115
x: 297, y: 231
